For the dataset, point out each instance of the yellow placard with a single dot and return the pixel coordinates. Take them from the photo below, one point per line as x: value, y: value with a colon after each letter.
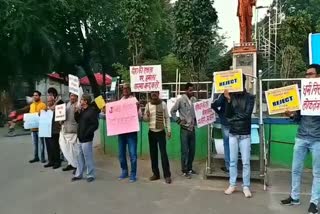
x: 100, y: 102
x: 228, y: 80
x: 283, y: 99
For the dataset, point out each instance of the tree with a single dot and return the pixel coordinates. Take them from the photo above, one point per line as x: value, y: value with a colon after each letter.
x: 195, y: 22
x: 136, y: 17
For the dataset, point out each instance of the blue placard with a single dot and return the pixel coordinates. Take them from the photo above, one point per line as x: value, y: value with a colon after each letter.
x: 314, y: 48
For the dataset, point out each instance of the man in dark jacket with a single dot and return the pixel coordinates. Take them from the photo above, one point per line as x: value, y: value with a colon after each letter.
x: 219, y: 106
x: 239, y: 109
x: 87, y: 119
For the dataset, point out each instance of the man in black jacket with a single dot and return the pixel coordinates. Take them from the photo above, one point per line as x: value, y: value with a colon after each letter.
x: 239, y: 109
x: 87, y: 119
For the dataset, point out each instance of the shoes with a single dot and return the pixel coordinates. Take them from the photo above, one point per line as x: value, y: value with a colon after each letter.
x: 230, y: 190
x: 74, y: 171
x: 56, y: 166
x: 76, y: 179
x: 34, y: 160
x: 313, y: 209
x: 43, y: 161
x: 123, y: 176
x: 225, y: 169
x: 193, y: 172
x: 168, y: 180
x: 247, y: 192
x: 290, y: 201
x: 154, y: 178
x: 68, y: 168
x: 187, y: 175
x: 90, y: 179
x: 48, y: 165
x: 132, y: 179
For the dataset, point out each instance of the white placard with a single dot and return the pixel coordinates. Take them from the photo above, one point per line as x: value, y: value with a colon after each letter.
x: 60, y: 112
x: 146, y: 78
x: 74, y: 84
x: 31, y: 120
x: 310, y: 97
x: 45, y: 123
x: 164, y: 94
x: 204, y: 113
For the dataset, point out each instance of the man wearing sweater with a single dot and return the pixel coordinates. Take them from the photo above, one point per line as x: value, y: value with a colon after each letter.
x: 156, y: 113
x: 187, y: 122
x: 87, y: 119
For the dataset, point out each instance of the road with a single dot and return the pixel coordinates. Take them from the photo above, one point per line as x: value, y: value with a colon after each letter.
x: 31, y: 189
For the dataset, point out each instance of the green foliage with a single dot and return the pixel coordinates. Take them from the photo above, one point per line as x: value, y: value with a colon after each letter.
x: 292, y: 65
x: 195, y: 24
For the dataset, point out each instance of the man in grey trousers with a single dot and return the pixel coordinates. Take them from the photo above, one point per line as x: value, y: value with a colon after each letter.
x: 187, y: 122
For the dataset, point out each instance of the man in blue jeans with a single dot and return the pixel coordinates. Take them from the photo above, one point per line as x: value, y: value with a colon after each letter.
x: 308, y: 139
x: 238, y: 112
x: 87, y: 119
x: 130, y: 140
x: 219, y: 106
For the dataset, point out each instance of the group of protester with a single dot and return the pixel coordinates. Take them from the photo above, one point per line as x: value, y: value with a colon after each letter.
x: 234, y: 110
x: 235, y: 117
x: 72, y: 137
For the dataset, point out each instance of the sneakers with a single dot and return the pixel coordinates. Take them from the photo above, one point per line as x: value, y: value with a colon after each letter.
x: 247, y: 192
x: 154, y: 178
x: 90, y: 179
x: 230, y: 190
x: 132, y: 179
x: 290, y: 201
x: 192, y: 172
x: 123, y: 176
x: 313, y: 209
x: 75, y: 179
x: 187, y: 175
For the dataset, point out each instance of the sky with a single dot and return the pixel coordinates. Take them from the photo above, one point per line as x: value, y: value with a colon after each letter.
x: 228, y: 20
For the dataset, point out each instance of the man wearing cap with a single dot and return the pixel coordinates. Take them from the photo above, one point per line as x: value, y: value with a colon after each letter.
x: 129, y: 140
x: 156, y: 113
x: 87, y: 119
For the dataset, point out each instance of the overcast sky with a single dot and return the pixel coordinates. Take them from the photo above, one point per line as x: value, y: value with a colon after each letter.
x: 228, y: 19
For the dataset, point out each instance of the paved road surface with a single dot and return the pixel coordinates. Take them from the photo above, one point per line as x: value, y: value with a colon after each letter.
x: 30, y: 189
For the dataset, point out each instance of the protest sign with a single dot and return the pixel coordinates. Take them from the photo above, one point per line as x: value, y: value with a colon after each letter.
x: 314, y: 48
x: 310, y: 97
x: 100, y: 102
x: 146, y: 78
x: 204, y: 114
x: 164, y: 94
x: 283, y: 99
x: 122, y: 117
x: 74, y: 84
x: 60, y: 112
x: 80, y: 95
x: 45, y: 123
x: 228, y: 80
x: 31, y: 120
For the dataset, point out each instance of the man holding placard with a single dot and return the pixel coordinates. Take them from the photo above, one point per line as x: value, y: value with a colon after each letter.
x: 308, y: 139
x: 187, y: 122
x: 239, y: 108
x: 68, y: 134
x: 129, y: 140
x: 36, y: 107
